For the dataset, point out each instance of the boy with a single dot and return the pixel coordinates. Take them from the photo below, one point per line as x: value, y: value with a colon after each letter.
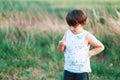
x: 75, y: 45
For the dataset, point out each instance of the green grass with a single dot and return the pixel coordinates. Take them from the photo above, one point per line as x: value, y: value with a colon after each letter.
x: 57, y: 7
x: 20, y: 59
x: 18, y: 56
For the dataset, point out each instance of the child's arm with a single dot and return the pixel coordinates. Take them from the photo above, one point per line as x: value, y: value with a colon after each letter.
x: 98, y: 46
x: 61, y: 45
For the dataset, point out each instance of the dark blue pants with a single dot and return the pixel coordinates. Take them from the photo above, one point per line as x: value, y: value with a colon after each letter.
x: 75, y: 76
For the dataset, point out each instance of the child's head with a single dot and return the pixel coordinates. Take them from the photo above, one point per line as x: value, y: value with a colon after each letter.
x: 76, y: 17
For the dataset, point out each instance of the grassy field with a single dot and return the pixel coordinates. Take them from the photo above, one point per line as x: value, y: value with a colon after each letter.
x: 30, y: 31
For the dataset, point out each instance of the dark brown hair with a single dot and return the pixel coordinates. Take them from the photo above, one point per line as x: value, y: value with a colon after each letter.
x: 76, y: 17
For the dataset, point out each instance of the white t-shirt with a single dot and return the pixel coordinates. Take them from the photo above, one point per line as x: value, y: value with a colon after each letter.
x: 76, y: 53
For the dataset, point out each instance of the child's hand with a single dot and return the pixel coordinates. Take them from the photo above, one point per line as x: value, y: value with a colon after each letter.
x: 61, y: 43
x: 61, y: 46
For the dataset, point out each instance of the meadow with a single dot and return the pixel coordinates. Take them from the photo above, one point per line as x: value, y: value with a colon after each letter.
x: 30, y: 31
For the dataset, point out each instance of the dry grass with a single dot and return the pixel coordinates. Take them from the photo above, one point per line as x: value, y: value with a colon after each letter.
x: 46, y: 23
x: 32, y: 23
x: 105, y: 24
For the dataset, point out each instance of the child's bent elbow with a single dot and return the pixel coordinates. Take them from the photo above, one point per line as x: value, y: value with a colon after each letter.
x: 102, y: 47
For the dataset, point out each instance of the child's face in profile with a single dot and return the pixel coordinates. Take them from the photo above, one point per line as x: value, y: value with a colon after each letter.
x: 75, y: 29
x: 72, y: 28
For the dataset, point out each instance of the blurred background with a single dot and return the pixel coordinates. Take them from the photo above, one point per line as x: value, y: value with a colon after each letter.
x: 31, y: 29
